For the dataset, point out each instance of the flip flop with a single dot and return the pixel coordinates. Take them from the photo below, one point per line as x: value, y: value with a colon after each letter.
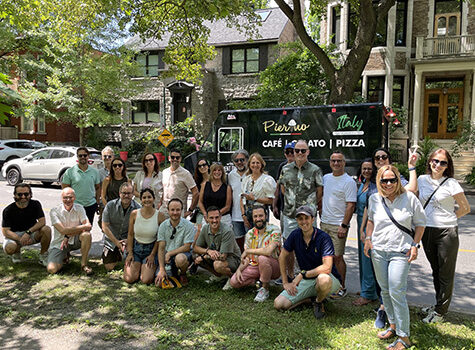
x: 361, y: 301
x: 86, y: 270
x: 394, y: 345
x: 387, y: 334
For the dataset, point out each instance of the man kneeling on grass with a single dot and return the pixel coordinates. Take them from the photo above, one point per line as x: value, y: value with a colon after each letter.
x: 216, y: 248
x: 175, y: 236
x: 319, y: 277
x: 259, y: 261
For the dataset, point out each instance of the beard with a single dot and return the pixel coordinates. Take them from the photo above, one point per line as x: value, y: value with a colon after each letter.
x: 260, y: 224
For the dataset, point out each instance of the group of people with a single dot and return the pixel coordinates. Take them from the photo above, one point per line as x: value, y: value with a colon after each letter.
x: 145, y: 225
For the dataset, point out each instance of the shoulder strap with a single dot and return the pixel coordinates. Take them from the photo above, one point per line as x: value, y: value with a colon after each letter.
x: 398, y: 225
x: 430, y: 197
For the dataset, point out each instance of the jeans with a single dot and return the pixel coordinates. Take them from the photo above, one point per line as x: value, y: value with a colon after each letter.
x: 367, y: 280
x: 391, y: 270
x: 441, y: 247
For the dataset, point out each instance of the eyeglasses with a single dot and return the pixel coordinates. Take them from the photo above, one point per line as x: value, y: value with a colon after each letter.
x: 239, y: 160
x: 442, y: 163
x: 173, y: 233
x: 392, y: 180
x: 83, y: 155
x: 289, y: 151
x: 383, y: 157
x: 23, y: 194
x: 126, y: 193
x: 336, y: 160
x: 117, y: 165
x: 202, y: 165
x: 175, y: 157
x: 107, y: 157
x: 149, y: 160
x: 300, y: 150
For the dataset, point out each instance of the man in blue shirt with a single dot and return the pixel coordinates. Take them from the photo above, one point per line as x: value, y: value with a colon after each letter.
x: 314, y: 252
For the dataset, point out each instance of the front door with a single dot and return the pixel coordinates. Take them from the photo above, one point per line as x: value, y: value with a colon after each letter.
x: 443, y: 112
x: 181, y: 106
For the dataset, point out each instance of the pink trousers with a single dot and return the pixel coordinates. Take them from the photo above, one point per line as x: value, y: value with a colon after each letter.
x: 267, y: 269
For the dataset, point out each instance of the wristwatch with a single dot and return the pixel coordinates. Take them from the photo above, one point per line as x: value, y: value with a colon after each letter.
x: 414, y: 244
x: 28, y: 232
x: 344, y: 225
x: 304, y: 274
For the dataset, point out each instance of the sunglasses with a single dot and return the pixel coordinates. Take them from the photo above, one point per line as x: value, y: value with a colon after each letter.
x: 289, y: 151
x: 175, y: 157
x: 442, y: 163
x: 107, y: 157
x: 202, y: 165
x: 173, y: 233
x: 117, y: 165
x: 21, y: 194
x: 83, y: 155
x: 300, y: 150
x: 239, y: 160
x: 392, y: 180
x: 149, y: 160
x: 384, y: 157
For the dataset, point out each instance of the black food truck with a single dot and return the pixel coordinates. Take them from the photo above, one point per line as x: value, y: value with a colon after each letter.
x: 354, y: 129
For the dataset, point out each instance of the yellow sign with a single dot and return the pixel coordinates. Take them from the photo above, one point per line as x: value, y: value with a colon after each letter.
x: 166, y: 137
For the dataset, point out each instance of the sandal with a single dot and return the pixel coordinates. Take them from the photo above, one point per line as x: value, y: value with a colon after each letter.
x: 361, y: 301
x: 395, y: 345
x: 86, y: 270
x: 387, y: 334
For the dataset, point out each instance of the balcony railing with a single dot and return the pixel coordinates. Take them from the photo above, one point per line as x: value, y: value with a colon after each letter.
x: 460, y: 45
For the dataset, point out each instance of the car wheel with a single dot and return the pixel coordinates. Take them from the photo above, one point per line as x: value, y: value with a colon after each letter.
x: 13, y: 176
x: 47, y: 183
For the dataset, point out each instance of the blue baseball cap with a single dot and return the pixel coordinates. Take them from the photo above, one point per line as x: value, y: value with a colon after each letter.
x: 290, y: 145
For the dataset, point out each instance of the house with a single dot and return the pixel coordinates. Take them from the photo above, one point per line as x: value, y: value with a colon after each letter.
x: 423, y: 59
x: 231, y: 75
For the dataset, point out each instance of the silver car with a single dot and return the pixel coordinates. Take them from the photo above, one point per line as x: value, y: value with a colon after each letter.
x: 11, y: 149
x: 46, y: 165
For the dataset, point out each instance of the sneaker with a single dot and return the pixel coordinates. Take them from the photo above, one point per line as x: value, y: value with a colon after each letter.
x: 433, y: 317
x: 427, y: 309
x: 318, y: 309
x: 262, y: 295
x: 43, y: 260
x: 214, y: 278
x: 278, y: 282
x: 381, y: 319
x: 340, y: 294
x: 16, y: 258
x: 227, y: 286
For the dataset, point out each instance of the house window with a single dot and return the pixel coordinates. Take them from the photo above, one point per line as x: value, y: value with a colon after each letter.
x: 41, y: 124
x: 146, y: 112
x: 447, y: 17
x: 33, y: 125
x: 398, y: 92
x: 381, y: 29
x: 336, y: 19
x: 401, y: 23
x: 150, y: 63
x: 245, y: 60
x: 375, y: 89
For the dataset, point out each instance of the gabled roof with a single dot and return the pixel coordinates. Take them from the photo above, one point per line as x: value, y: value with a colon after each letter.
x: 271, y: 28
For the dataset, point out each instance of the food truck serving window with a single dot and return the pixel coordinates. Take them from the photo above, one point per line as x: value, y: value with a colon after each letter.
x: 230, y: 139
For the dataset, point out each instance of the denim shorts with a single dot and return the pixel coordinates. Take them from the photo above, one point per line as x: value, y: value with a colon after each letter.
x: 239, y: 229
x: 142, y: 251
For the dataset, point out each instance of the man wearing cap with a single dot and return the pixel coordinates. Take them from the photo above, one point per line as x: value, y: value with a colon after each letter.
x: 318, y: 277
x: 339, y: 200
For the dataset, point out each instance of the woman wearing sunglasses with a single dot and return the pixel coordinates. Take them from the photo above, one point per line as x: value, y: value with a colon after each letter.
x: 111, y: 184
x: 392, y: 212
x: 149, y: 177
x: 438, y: 192
x: 257, y: 187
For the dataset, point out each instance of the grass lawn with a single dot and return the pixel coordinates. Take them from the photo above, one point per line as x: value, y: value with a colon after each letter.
x: 201, y: 316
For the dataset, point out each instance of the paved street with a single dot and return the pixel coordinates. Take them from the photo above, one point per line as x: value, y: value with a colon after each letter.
x: 420, y: 289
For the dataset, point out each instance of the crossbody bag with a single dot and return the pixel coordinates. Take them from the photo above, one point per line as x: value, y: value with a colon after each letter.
x: 410, y: 232
x: 430, y: 197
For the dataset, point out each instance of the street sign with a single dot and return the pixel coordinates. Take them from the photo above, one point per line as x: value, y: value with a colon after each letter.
x: 166, y: 137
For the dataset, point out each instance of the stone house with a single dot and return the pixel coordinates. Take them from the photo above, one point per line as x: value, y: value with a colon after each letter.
x: 423, y: 59
x: 231, y: 75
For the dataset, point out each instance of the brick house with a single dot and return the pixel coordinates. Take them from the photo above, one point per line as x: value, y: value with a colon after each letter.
x: 231, y: 75
x: 423, y: 60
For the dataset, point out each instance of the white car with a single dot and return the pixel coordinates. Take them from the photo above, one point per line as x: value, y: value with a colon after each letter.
x: 46, y: 165
x: 11, y: 149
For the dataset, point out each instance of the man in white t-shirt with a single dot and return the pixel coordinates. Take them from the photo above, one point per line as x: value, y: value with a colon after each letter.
x: 339, y: 200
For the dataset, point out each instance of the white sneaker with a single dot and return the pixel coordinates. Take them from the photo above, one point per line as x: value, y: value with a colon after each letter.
x: 227, y: 286
x: 427, y: 309
x: 262, y: 295
x: 16, y: 258
x: 43, y: 260
x: 214, y: 278
x: 433, y: 317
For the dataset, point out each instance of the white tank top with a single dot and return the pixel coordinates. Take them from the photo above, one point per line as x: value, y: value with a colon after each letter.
x: 146, y: 230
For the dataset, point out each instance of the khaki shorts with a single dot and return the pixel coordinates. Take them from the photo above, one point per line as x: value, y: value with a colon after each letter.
x: 306, y: 289
x: 21, y: 233
x: 338, y: 243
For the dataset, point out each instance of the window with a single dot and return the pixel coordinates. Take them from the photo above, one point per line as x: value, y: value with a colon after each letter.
x: 245, y: 60
x: 398, y: 92
x: 146, y: 112
x: 41, y: 124
x: 150, y: 63
x: 28, y: 125
x: 336, y: 19
x: 401, y: 23
x: 230, y: 139
x: 59, y: 153
x: 41, y: 154
x: 353, y: 20
x: 375, y: 89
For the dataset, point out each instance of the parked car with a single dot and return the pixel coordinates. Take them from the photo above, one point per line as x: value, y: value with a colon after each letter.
x: 11, y: 149
x: 46, y: 165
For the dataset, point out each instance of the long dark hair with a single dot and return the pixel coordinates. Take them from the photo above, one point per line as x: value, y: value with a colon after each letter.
x: 124, y: 168
x: 198, y: 176
x: 385, y: 150
x: 373, y: 173
x: 155, y: 166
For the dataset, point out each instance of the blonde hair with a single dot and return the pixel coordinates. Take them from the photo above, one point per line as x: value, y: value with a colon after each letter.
x: 259, y: 159
x: 215, y: 166
x: 399, y: 188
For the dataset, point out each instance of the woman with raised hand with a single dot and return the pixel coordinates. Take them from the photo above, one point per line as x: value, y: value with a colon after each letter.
x: 257, y: 187
x: 149, y: 177
x: 216, y: 192
x: 141, y: 261
x: 392, y: 213
x: 438, y: 192
x: 111, y: 184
